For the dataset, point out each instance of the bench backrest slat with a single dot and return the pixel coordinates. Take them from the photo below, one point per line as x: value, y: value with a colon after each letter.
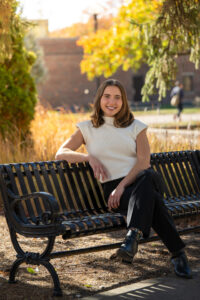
x: 32, y: 187
x: 179, y: 170
x: 56, y: 186
x: 193, y: 178
x: 165, y: 171
x: 14, y: 186
x: 194, y: 158
x: 65, y: 188
x: 82, y: 189
x: 181, y: 181
x: 89, y: 188
x: 96, y: 195
x: 28, y: 205
x: 47, y: 182
x: 163, y: 165
x: 73, y: 183
x: 37, y: 177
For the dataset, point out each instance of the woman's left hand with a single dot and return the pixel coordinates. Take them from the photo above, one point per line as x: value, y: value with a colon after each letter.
x: 114, y: 198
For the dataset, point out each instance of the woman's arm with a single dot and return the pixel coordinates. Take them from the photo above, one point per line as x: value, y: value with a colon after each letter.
x: 68, y: 152
x: 143, y: 162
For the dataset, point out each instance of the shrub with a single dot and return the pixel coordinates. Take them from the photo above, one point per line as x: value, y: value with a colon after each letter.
x: 17, y: 88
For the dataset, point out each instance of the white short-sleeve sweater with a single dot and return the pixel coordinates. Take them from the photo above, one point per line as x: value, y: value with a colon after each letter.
x: 114, y: 147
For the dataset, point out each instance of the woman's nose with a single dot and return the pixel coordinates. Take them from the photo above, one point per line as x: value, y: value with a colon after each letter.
x: 111, y: 100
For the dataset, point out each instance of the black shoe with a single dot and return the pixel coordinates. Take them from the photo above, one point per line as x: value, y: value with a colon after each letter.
x: 129, y: 247
x: 181, y: 266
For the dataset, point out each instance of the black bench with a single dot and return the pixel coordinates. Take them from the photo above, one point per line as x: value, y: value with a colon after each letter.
x: 52, y: 198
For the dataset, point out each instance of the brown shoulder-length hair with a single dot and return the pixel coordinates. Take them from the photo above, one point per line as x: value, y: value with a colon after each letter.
x: 123, y: 118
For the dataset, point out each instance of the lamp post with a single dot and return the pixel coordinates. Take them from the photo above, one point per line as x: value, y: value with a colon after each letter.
x: 95, y: 9
x: 95, y: 18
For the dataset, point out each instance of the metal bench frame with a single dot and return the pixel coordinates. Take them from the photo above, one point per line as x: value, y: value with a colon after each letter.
x: 53, y: 198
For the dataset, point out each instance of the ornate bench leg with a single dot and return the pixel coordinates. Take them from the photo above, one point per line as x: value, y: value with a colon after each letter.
x: 14, y: 268
x: 57, y: 290
x: 34, y: 258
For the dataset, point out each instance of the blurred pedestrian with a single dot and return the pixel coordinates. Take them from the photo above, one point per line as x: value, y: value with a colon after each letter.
x: 176, y: 96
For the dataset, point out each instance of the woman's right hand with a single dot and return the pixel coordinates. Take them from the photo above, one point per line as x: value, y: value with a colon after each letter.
x: 97, y: 167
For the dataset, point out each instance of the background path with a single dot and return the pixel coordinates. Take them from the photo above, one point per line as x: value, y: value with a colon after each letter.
x: 158, y: 118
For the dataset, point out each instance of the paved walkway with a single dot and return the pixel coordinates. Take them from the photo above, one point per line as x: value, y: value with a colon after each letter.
x: 163, y: 288
x: 153, y: 119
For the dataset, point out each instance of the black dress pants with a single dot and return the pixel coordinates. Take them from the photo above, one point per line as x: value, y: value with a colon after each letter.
x: 142, y: 203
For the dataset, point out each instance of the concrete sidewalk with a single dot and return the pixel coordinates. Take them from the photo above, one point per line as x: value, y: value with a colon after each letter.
x: 155, y: 119
x: 163, y: 288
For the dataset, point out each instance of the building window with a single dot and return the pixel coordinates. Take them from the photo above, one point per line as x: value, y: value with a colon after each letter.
x: 188, y: 82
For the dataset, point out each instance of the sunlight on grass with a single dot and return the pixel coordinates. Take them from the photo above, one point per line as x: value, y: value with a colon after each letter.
x: 172, y: 143
x: 50, y: 129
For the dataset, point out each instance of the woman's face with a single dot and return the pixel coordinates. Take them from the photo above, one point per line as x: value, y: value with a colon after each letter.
x: 111, y: 101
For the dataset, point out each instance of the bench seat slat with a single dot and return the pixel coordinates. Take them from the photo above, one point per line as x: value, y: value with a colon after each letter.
x: 94, y: 224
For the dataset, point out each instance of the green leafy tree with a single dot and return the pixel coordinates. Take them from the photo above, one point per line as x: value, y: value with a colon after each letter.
x: 146, y: 31
x: 38, y: 70
x: 17, y: 88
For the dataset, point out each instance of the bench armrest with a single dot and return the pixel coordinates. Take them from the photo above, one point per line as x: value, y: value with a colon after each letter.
x: 47, y: 216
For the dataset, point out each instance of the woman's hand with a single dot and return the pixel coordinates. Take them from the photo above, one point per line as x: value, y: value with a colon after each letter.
x: 97, y: 167
x: 114, y: 198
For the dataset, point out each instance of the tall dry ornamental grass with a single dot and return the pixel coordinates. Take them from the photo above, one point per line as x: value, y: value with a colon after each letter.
x: 50, y: 129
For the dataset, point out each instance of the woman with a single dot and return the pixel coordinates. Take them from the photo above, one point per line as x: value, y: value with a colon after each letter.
x: 119, y: 154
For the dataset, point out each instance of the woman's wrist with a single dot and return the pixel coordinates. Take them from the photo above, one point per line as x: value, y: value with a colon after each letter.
x: 87, y: 157
x: 122, y: 184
